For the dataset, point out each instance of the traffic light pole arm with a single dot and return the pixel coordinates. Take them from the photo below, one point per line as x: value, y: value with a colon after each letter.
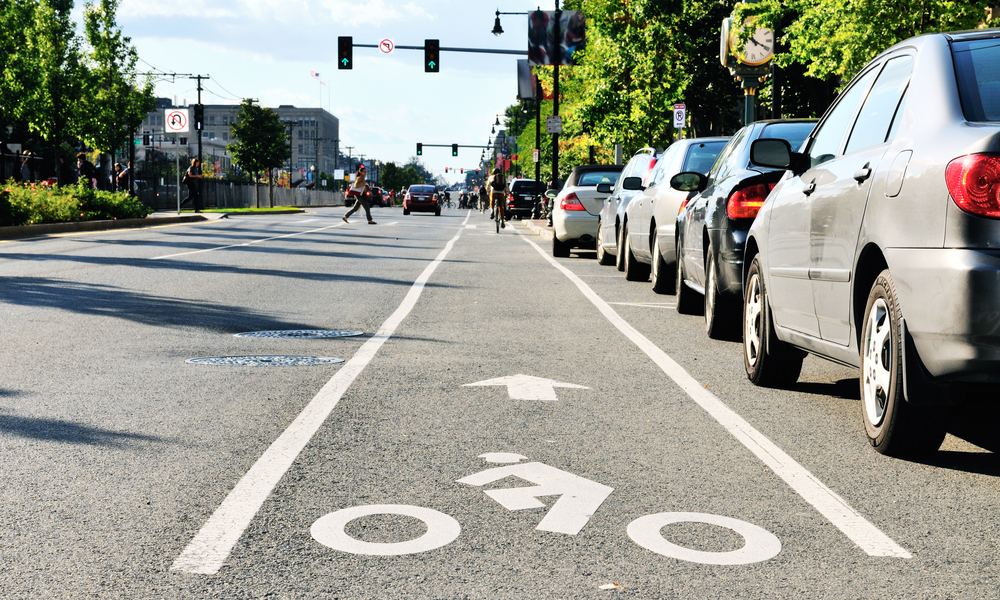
x: 476, y: 50
x: 449, y: 146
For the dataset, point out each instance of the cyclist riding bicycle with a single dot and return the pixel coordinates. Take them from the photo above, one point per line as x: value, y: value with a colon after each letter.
x: 498, y: 195
x: 483, y: 197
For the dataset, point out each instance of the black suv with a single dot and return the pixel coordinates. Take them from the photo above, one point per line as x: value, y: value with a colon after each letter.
x: 521, y: 198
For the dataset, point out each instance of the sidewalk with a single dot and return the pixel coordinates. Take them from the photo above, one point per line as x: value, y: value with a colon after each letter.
x: 153, y: 220
x: 540, y: 228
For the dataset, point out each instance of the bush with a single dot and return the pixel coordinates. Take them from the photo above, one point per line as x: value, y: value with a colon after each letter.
x: 28, y: 204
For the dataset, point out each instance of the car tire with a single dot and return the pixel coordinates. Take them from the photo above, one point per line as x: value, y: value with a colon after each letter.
x: 687, y: 301
x: 603, y: 256
x: 720, y: 314
x: 619, y: 257
x: 663, y: 275
x: 768, y: 361
x: 560, y: 249
x: 405, y: 212
x: 634, y: 270
x: 892, y: 425
x: 437, y: 213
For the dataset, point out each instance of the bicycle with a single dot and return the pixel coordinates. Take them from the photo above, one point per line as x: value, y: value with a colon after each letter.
x: 498, y: 212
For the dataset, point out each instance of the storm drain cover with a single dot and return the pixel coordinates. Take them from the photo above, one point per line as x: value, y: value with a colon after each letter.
x: 265, y: 361
x: 301, y: 334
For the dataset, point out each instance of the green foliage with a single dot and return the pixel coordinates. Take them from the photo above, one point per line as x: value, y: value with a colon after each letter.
x: 394, y: 177
x: 262, y: 143
x: 33, y: 203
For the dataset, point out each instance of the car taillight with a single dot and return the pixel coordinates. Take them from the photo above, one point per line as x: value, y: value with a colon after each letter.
x: 974, y: 183
x: 684, y: 204
x: 571, y: 202
x: 746, y: 203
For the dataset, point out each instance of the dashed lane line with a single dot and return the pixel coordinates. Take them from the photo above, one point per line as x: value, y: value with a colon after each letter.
x: 859, y: 530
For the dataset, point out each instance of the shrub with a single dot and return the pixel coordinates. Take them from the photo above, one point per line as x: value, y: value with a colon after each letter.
x: 28, y: 204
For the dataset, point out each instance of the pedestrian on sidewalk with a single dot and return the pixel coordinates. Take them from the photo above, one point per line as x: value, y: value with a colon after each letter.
x: 192, y: 178
x: 357, y: 192
x: 87, y: 170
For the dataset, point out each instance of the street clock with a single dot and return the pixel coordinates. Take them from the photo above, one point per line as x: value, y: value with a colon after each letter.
x: 757, y: 51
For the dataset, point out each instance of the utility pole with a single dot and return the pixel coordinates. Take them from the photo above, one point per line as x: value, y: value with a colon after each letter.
x: 350, y: 166
x: 201, y: 126
x: 557, y: 47
x: 291, y: 127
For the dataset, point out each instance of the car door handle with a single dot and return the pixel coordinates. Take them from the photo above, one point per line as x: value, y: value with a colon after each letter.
x: 863, y: 173
x: 810, y: 188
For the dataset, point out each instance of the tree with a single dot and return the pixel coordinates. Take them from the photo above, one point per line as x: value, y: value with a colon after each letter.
x: 262, y: 144
x: 115, y: 104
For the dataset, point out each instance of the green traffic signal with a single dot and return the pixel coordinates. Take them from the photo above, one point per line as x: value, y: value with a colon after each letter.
x: 420, y: 149
x: 432, y: 53
x: 345, y: 52
x: 454, y: 149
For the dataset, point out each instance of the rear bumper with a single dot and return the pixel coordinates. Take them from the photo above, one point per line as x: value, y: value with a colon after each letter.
x: 574, y: 225
x: 412, y: 206
x: 950, y: 299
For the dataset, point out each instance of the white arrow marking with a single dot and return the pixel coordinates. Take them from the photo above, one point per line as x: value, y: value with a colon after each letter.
x: 526, y: 387
x: 579, y: 498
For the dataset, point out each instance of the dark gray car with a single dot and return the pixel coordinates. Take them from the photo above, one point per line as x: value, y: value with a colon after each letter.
x: 880, y: 246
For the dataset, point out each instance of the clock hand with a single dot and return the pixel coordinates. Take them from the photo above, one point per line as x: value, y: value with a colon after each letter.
x: 755, y: 41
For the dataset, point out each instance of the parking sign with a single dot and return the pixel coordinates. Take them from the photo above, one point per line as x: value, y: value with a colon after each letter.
x: 680, y: 116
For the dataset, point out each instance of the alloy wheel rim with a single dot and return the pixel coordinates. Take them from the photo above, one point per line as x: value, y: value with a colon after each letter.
x: 877, y: 362
x: 753, y: 321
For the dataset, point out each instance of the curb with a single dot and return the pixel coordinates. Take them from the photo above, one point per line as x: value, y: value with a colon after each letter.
x: 50, y: 228
x: 543, y: 232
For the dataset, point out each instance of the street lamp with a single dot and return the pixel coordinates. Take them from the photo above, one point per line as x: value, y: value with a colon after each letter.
x: 497, y: 29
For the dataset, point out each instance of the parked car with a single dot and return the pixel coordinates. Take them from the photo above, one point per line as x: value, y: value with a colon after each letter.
x: 521, y: 198
x: 712, y: 228
x: 421, y: 198
x: 878, y: 248
x: 613, y: 212
x: 576, y: 208
x: 651, y: 215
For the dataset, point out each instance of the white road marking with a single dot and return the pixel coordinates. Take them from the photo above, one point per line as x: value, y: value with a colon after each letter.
x: 391, y: 224
x: 502, y: 458
x: 211, y: 546
x: 579, y: 498
x: 261, y: 241
x: 868, y: 537
x: 645, y: 304
x: 442, y: 530
x: 526, y: 387
x: 306, y: 221
x: 760, y: 545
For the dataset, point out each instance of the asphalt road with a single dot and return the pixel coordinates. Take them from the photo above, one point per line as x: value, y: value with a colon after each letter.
x: 130, y: 473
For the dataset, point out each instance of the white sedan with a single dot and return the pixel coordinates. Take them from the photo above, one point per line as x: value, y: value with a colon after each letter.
x: 576, y: 208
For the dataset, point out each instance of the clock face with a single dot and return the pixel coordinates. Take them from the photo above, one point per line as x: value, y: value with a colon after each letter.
x: 759, y: 48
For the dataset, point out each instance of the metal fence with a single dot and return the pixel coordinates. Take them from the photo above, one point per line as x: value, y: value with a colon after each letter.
x: 227, y: 194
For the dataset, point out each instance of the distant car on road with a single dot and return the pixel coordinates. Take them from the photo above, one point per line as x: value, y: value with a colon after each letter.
x: 521, y: 198
x: 878, y: 247
x: 421, y: 198
x: 576, y: 208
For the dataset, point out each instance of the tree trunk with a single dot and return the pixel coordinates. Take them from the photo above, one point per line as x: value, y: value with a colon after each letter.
x: 256, y: 190
x: 270, y: 188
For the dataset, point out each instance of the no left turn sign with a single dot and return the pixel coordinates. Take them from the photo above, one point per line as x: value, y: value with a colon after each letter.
x: 386, y: 46
x: 176, y: 120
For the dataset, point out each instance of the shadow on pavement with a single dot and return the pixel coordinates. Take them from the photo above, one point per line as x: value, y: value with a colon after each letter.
x: 68, y: 432
x: 848, y: 389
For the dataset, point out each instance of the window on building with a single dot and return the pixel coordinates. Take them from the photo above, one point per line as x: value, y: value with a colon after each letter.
x: 225, y: 136
x: 300, y: 148
x: 211, y: 120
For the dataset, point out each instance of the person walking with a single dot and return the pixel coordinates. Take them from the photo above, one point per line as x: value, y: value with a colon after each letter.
x: 87, y: 170
x: 357, y: 192
x: 192, y: 178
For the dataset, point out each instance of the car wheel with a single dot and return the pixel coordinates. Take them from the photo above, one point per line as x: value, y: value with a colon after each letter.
x: 405, y: 212
x: 437, y: 213
x: 634, y: 270
x: 560, y: 249
x: 664, y: 278
x: 687, y: 301
x: 603, y: 256
x: 769, y: 362
x: 893, y: 426
x: 720, y: 323
x: 619, y: 257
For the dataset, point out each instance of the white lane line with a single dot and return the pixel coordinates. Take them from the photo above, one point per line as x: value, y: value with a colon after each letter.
x: 248, y: 243
x: 306, y: 221
x: 210, y: 548
x: 868, y: 537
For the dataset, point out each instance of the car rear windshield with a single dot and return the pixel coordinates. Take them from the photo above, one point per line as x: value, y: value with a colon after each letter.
x: 977, y: 63
x: 701, y: 157
x: 594, y: 178
x: 422, y: 189
x: 523, y: 187
x: 793, y: 133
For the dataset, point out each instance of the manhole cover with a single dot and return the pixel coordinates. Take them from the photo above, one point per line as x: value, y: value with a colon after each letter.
x: 301, y: 334
x: 265, y: 361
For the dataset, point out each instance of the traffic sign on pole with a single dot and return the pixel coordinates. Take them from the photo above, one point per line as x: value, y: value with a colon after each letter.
x: 680, y: 116
x: 176, y: 120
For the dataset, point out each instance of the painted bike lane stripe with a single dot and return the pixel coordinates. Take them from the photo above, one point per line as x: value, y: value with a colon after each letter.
x: 212, y: 545
x: 860, y: 531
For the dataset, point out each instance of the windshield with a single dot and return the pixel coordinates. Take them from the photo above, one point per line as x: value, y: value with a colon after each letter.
x: 523, y: 186
x: 977, y: 63
x: 594, y: 178
x: 422, y: 189
x: 793, y: 133
x: 701, y: 157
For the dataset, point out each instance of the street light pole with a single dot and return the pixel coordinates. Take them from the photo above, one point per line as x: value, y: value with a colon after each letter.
x: 557, y: 58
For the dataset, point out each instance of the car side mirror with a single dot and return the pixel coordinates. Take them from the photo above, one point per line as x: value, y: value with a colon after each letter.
x: 772, y: 153
x: 603, y: 188
x: 689, y: 181
x: 632, y: 183
x: 551, y: 193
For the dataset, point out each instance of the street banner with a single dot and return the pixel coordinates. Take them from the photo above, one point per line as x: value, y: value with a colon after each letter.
x: 525, y: 81
x: 541, y: 36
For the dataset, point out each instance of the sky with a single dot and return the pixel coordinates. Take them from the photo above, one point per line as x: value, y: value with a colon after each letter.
x: 266, y: 50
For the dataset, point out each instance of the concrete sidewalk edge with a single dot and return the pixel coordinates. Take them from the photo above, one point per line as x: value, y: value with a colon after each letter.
x: 540, y: 229
x: 151, y: 221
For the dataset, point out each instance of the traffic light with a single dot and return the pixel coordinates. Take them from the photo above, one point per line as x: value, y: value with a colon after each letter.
x: 145, y: 139
x: 345, y: 52
x: 454, y: 149
x: 199, y: 117
x: 420, y: 149
x: 461, y: 170
x: 446, y: 169
x: 432, y: 56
